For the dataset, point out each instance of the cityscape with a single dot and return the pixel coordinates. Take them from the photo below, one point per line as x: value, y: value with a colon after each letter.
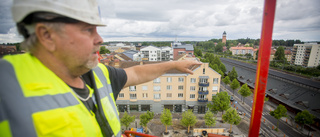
x: 227, y: 70
x: 218, y: 99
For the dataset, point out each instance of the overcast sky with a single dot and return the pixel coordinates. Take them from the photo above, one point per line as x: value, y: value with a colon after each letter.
x: 192, y: 20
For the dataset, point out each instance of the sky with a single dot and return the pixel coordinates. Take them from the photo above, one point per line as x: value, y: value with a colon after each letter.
x: 191, y: 20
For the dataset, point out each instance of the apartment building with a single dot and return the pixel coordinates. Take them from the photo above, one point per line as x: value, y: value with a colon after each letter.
x: 307, y: 55
x: 242, y: 50
x: 174, y: 90
x: 152, y: 53
x: 179, y: 49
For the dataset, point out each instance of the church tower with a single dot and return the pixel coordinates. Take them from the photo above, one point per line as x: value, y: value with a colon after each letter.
x: 224, y: 37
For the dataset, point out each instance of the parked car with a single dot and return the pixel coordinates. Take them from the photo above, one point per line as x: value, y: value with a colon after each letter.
x: 231, y: 98
x: 240, y: 112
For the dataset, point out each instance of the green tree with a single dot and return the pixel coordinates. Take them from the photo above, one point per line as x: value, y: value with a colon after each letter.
x: 221, y: 73
x: 266, y: 99
x: 188, y: 119
x: 226, y: 80
x: 145, y: 119
x: 303, y: 118
x: 103, y: 50
x: 222, y: 68
x: 127, y: 119
x: 231, y: 116
x: 209, y: 119
x: 234, y: 85
x: 219, y: 47
x: 233, y: 74
x: 215, y: 67
x: 279, y: 55
x: 220, y: 102
x: 166, y: 118
x: 244, y: 92
x: 278, y: 113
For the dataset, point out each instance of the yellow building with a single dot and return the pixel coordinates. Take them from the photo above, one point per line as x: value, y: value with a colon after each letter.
x: 174, y: 90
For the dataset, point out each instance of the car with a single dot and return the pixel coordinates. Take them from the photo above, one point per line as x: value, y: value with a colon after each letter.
x: 231, y: 98
x: 240, y: 112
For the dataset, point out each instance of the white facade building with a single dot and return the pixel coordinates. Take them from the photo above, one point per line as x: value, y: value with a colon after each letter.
x: 152, y: 53
x: 307, y: 55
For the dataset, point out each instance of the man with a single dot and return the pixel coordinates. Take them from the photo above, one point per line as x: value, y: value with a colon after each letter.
x: 58, y: 88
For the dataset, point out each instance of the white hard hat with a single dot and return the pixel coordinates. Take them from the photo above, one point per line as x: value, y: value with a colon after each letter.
x: 83, y: 10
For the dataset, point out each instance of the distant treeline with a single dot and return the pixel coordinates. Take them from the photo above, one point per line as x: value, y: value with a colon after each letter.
x: 251, y: 42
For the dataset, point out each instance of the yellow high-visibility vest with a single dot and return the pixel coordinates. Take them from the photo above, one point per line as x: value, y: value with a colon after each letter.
x: 36, y: 102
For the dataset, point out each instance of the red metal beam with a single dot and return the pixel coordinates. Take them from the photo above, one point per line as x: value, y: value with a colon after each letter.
x: 262, y: 67
x: 129, y: 133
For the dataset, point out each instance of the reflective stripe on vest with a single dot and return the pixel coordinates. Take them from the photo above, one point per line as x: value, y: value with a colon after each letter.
x: 107, y: 99
x: 35, y: 102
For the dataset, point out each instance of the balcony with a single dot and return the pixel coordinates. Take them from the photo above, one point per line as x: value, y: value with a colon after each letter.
x: 202, y: 100
x: 203, y: 92
x: 202, y: 84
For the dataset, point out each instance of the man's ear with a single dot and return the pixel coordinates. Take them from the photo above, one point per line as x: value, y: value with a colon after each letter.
x: 44, y: 35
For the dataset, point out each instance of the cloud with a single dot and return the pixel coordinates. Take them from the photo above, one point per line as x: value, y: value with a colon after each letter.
x: 198, y: 20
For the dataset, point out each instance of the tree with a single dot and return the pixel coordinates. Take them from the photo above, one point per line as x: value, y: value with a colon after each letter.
x: 145, y: 119
x: 221, y: 73
x: 166, y: 118
x: 233, y: 74
x: 103, y: 50
x: 234, y: 85
x: 244, y: 91
x: 278, y: 113
x: 220, y: 102
x: 188, y: 119
x: 303, y: 118
x: 266, y: 99
x: 226, y: 80
x: 215, y: 67
x: 219, y: 47
x: 127, y: 119
x: 231, y: 116
x: 279, y: 55
x: 209, y: 119
x: 222, y: 68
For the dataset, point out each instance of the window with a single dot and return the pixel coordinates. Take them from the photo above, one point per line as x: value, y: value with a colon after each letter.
x: 133, y: 96
x: 192, y: 88
x: 169, y: 87
x: 145, y: 107
x: 169, y: 95
x: 121, y: 95
x: 157, y: 96
x: 204, y: 71
x: 144, y: 95
x: 144, y: 87
x: 181, y: 79
x: 157, y: 80
x: 156, y: 88
x: 215, y: 80
x: 180, y: 95
x: 192, y: 95
x: 193, y: 80
x: 169, y: 79
x: 202, y: 80
x: 202, y: 97
x: 132, y: 88
x: 180, y: 87
x: 215, y: 89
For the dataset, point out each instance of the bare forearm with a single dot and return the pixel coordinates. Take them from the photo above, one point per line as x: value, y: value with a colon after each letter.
x: 144, y: 73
